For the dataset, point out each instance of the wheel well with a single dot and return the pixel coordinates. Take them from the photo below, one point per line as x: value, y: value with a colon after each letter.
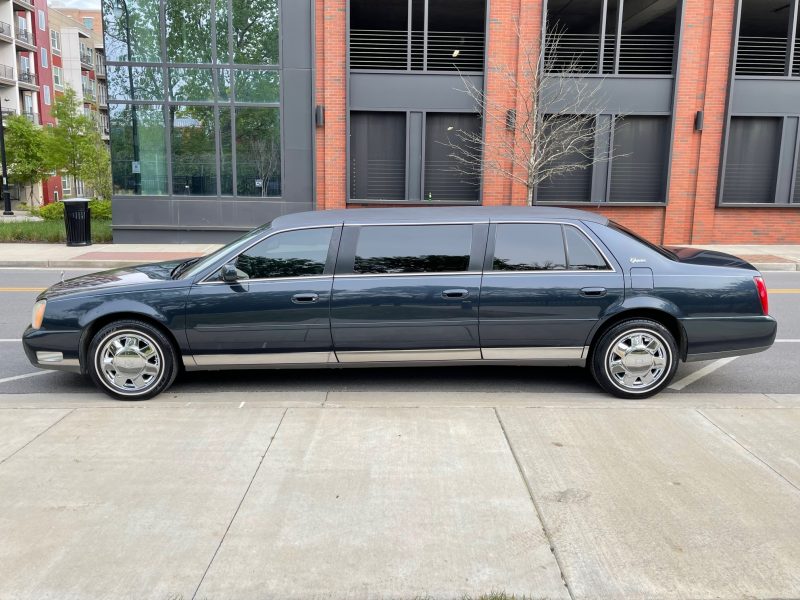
x: 100, y: 322
x: 667, y: 320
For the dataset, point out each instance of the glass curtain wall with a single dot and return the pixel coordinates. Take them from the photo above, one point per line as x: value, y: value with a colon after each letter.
x: 194, y: 97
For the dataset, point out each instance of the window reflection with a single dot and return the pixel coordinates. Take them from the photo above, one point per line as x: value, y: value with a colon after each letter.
x: 145, y: 82
x: 188, y: 31
x: 137, y: 150
x: 255, y: 32
x: 258, y: 152
x: 257, y: 86
x: 191, y: 85
x: 132, y: 30
x: 194, y: 170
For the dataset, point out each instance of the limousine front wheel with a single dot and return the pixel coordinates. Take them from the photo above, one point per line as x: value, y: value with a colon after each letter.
x: 131, y: 360
x: 635, y: 359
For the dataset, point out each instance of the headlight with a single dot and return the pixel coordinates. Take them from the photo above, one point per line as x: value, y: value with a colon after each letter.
x: 38, y: 314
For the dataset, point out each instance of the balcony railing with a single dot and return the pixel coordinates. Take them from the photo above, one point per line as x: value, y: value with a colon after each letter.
x: 5, y: 30
x: 86, y: 58
x: 88, y: 94
x: 28, y: 77
x: 31, y: 116
x: 761, y: 55
x: 25, y: 36
x: 638, y: 54
x: 6, y: 72
x: 401, y: 50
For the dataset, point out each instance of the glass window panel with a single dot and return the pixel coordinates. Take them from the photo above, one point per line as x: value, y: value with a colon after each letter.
x: 132, y: 30
x: 188, y: 31
x: 583, y: 255
x: 147, y: 83
x: 377, y: 155
x: 291, y: 254
x: 223, y: 52
x: 194, y: 169
x: 639, y: 161
x: 521, y: 247
x: 413, y: 249
x: 138, y: 150
x: 443, y: 179
x: 226, y: 150
x: 751, y: 165
x: 191, y: 85
x: 255, y: 32
x: 257, y: 86
x: 258, y: 152
x: 224, y: 83
x: 574, y: 182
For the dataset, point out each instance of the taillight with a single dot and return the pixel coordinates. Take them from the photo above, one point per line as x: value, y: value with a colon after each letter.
x: 762, y: 294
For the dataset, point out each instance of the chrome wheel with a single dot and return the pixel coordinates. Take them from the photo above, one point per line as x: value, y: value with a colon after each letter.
x: 637, y: 360
x: 129, y: 362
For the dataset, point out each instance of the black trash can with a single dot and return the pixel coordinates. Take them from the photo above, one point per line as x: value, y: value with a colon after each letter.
x: 78, y: 221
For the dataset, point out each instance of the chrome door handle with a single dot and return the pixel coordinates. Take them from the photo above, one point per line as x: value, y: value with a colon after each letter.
x: 457, y: 294
x: 305, y: 298
x: 593, y: 292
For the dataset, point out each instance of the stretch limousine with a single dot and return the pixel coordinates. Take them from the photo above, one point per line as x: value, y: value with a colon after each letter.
x: 410, y: 287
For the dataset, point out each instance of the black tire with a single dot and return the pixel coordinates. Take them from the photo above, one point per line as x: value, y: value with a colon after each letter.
x: 131, y: 360
x: 634, y: 378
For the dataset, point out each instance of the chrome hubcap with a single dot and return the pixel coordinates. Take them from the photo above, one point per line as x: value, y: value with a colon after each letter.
x: 638, y: 360
x: 129, y: 362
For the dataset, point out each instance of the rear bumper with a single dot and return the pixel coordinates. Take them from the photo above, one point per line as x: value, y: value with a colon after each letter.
x: 58, y: 350
x: 719, y: 337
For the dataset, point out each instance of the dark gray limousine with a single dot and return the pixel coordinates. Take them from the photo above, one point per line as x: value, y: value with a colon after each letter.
x: 410, y: 287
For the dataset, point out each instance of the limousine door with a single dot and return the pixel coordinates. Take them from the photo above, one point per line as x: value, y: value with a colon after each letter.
x: 408, y: 293
x: 278, y: 311
x: 545, y: 285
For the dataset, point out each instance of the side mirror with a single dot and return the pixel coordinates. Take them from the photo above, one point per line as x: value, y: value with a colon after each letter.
x: 229, y: 273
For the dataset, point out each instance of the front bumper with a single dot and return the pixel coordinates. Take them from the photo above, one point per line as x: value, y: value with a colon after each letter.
x: 719, y: 337
x: 59, y: 350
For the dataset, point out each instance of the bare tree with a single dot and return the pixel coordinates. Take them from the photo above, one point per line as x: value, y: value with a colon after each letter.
x: 552, y: 130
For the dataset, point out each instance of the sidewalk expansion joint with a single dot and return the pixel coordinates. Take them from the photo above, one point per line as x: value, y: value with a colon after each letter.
x: 536, y: 507
x: 746, y: 449
x: 239, y: 506
x: 36, y: 437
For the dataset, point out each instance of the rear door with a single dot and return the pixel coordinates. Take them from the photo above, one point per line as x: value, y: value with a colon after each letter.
x: 408, y: 293
x: 278, y: 310
x: 545, y: 285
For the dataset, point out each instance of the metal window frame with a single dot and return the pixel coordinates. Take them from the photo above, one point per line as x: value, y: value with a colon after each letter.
x: 166, y: 103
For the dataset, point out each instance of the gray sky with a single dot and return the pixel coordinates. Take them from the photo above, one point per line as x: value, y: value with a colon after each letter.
x: 76, y: 4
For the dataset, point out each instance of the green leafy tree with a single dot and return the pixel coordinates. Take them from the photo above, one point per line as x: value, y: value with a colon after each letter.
x: 96, y: 173
x: 26, y: 151
x: 74, y: 143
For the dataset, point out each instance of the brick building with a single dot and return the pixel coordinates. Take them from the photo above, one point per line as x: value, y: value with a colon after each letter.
x: 350, y: 104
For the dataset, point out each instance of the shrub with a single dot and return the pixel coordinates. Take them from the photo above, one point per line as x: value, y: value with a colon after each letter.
x: 100, y: 209
x: 52, y: 212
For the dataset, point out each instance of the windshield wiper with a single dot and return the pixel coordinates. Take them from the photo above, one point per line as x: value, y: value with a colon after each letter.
x: 181, y: 267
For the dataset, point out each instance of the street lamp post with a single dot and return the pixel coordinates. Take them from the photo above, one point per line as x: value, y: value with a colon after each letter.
x: 120, y: 10
x: 6, y: 195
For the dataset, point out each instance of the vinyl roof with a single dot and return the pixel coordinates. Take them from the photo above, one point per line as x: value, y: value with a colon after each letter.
x: 435, y: 214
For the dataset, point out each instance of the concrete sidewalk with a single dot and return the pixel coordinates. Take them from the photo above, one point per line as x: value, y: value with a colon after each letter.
x: 356, y: 495
x: 764, y: 257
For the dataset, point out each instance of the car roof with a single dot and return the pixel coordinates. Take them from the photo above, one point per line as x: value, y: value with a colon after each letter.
x: 438, y: 214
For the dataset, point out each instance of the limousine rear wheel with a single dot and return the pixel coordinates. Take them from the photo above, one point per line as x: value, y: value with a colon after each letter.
x: 131, y: 360
x: 635, y: 359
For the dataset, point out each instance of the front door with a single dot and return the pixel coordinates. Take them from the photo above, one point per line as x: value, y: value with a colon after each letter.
x: 545, y: 286
x: 408, y: 293
x: 278, y: 310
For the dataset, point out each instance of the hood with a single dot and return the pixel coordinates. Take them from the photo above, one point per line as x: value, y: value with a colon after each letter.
x: 709, y: 258
x: 125, y: 277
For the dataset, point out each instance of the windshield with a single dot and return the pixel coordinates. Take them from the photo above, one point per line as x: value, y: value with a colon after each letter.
x: 209, y: 259
x: 660, y: 249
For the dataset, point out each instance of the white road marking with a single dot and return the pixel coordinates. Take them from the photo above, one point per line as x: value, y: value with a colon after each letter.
x: 787, y: 341
x: 700, y: 373
x: 9, y: 341
x: 25, y: 376
x: 241, y: 405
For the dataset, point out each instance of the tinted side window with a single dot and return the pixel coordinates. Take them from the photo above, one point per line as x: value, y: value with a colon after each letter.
x: 413, y: 249
x: 583, y: 255
x: 289, y: 254
x: 524, y: 247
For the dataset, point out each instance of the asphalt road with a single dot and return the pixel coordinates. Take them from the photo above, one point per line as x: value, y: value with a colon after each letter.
x: 775, y: 371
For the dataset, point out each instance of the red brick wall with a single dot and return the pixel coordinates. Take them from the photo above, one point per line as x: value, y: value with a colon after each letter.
x: 691, y: 215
